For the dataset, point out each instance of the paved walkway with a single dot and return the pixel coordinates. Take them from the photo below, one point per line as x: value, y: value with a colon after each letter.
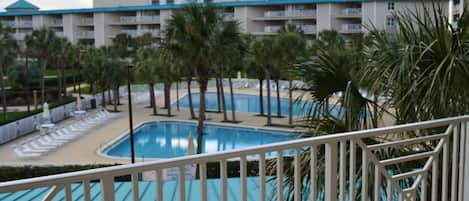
x: 84, y: 149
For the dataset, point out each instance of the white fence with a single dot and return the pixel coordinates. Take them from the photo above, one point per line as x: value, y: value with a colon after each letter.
x: 343, y: 166
x: 29, y: 124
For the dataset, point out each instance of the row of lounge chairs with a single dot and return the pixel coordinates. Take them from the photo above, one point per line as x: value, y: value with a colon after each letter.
x: 42, y: 144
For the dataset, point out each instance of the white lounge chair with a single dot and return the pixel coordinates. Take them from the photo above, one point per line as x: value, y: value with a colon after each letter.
x: 21, y: 154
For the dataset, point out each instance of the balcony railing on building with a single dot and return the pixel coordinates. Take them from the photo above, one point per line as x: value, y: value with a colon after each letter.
x: 87, y: 21
x: 307, y: 28
x: 351, y: 28
x: 228, y: 15
x: 60, y: 34
x: 294, y: 13
x: 272, y: 29
x: 25, y: 23
x: 149, y: 18
x: 153, y: 32
x: 10, y: 23
x: 305, y: 13
x: 56, y: 22
x: 130, y: 32
x: 351, y: 12
x: 277, y: 13
x: 417, y: 161
x: 86, y: 34
x: 19, y: 36
x: 128, y: 19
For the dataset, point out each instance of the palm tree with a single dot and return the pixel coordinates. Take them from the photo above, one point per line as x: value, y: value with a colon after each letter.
x: 22, y: 73
x: 63, y: 55
x: 8, y: 49
x: 147, y: 66
x: 91, y: 62
x: 263, y: 51
x: 39, y: 41
x: 124, y: 45
x: 193, y: 32
x: 116, y: 72
x: 293, y: 46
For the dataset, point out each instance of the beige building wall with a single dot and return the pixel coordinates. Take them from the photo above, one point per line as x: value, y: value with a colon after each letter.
x: 117, y: 3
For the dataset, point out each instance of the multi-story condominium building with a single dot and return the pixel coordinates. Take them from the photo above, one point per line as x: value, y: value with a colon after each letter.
x: 98, y: 25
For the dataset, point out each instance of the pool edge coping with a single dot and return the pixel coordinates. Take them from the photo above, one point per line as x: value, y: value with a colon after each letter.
x: 101, y: 151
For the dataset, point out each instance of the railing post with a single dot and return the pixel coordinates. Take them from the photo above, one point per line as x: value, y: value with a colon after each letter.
x: 107, y: 188
x: 466, y: 162
x: 331, y: 172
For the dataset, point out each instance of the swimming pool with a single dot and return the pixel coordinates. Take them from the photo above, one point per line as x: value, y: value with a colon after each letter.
x: 243, y: 103
x: 169, y: 139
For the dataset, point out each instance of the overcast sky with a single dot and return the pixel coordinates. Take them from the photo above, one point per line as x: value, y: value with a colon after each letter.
x: 52, y: 4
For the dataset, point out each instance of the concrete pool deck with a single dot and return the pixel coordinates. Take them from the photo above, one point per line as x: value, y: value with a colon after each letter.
x: 84, y: 149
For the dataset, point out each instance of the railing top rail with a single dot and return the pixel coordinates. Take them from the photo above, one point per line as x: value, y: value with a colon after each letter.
x: 175, y: 162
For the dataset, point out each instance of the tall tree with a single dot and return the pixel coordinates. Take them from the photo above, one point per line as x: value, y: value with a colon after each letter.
x: 293, y: 46
x: 194, y: 32
x: 8, y: 49
x: 42, y: 47
x: 147, y: 68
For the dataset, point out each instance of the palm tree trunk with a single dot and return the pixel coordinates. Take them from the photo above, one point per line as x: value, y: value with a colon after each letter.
x: 279, y: 109
x: 177, y: 95
x: 200, y: 123
x: 26, y: 87
x: 168, y: 97
x: 165, y: 92
x: 290, y: 102
x: 223, y: 100
x: 153, y: 99
x: 150, y: 94
x: 189, y: 91
x: 375, y: 111
x: 261, y: 96
x: 269, y: 109
x: 233, y: 108
x: 115, y: 98
x: 118, y: 95
x: 74, y: 81
x: 4, y: 97
x: 217, y: 80
x: 59, y: 79
x: 103, y: 100
x: 43, y: 81
x: 64, y: 77
x: 109, y: 96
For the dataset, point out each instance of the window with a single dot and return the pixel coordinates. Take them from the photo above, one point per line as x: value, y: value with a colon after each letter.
x: 391, y: 5
x: 155, y: 2
x: 169, y: 1
x: 390, y: 21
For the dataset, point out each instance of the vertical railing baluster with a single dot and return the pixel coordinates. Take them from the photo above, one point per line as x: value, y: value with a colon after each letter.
x: 423, y: 187
x: 364, y: 193
x: 182, y: 183
x: 243, y: 175
x: 262, y: 176
x: 313, y: 173
x: 435, y: 178
x: 342, y: 173
x: 107, y: 188
x: 280, y: 176
x: 223, y: 182
x: 68, y: 192
x: 389, y: 190
x: 159, y: 185
x: 461, y: 160
x: 203, y: 181
x: 377, y: 184
x: 135, y: 191
x: 454, y: 166
x: 466, y: 161
x: 330, y: 190
x: 86, y: 191
x: 352, y: 171
x: 297, y: 173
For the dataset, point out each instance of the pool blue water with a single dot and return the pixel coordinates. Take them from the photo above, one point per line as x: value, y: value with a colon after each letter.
x: 243, y: 103
x: 168, y: 139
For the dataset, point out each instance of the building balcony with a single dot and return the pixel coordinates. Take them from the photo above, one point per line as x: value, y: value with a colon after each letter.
x: 130, y: 32
x: 56, y: 22
x: 128, y: 20
x: 351, y: 28
x: 88, y: 21
x: 153, y: 19
x: 284, y: 15
x: 272, y: 29
x: 60, y: 34
x: 19, y: 36
x: 305, y: 13
x: 85, y: 34
x: 153, y: 32
x: 10, y: 23
x: 418, y: 161
x: 307, y: 28
x: 350, y: 13
x: 277, y: 13
x: 228, y: 15
x: 25, y: 23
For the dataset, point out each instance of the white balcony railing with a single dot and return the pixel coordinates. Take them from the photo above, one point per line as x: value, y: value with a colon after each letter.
x: 305, y: 13
x: 60, y: 34
x: 345, y: 163
x: 276, y: 13
x: 26, y: 23
x: 150, y: 18
x: 153, y: 32
x: 87, y: 21
x: 10, y: 23
x: 19, y: 36
x: 85, y: 34
x: 128, y: 19
x: 351, y: 12
x: 130, y: 32
x: 272, y: 29
x: 352, y: 28
x: 307, y: 28
x: 56, y: 22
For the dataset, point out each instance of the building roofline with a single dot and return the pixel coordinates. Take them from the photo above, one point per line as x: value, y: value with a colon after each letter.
x: 167, y: 6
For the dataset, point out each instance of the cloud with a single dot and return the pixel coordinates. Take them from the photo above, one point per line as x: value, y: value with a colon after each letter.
x: 53, y: 4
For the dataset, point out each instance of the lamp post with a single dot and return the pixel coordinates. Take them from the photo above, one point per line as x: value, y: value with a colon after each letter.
x: 80, y: 54
x: 131, y: 127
